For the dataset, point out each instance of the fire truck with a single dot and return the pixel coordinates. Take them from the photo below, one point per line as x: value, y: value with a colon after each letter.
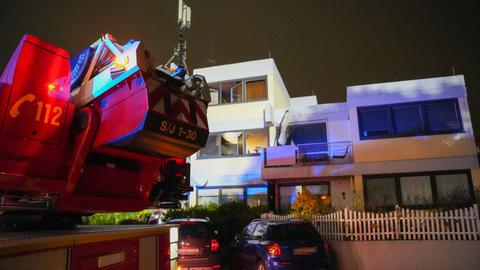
x: 103, y: 131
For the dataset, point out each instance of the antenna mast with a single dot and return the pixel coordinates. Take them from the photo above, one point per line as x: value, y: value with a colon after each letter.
x: 184, y: 22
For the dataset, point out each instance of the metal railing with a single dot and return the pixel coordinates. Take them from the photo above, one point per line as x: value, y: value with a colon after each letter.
x: 311, y: 153
x: 328, y: 152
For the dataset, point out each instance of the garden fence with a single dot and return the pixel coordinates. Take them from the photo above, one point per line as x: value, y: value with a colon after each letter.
x: 400, y: 224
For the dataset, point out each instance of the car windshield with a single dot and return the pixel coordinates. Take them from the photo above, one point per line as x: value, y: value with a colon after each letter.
x: 292, y: 232
x: 200, y: 230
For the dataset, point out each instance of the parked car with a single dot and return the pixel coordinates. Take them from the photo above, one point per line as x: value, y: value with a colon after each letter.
x: 286, y: 244
x: 197, y: 244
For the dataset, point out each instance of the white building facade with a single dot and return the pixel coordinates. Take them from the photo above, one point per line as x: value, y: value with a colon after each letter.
x: 230, y: 165
x: 407, y: 143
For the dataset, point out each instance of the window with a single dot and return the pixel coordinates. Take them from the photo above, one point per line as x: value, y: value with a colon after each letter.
x: 236, y: 143
x: 381, y: 192
x: 231, y: 143
x: 311, y: 140
x: 256, y: 90
x: 252, y: 195
x: 208, y: 196
x: 259, y: 231
x: 408, y: 119
x: 255, y: 140
x: 257, y: 196
x: 419, y: 190
x: 416, y: 190
x: 288, y: 194
x: 246, y: 234
x: 212, y: 147
x: 238, y: 91
x: 309, y: 133
x: 453, y: 188
x: 232, y: 195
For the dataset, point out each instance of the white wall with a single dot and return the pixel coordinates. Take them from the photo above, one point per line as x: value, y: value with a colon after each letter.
x: 425, y: 255
x: 417, y: 147
x: 243, y: 170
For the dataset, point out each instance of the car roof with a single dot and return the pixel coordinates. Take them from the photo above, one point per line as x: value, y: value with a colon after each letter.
x: 284, y: 221
x: 174, y: 220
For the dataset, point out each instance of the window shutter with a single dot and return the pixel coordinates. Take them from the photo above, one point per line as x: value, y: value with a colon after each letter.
x: 374, y: 122
x: 442, y: 116
x: 312, y: 133
x: 407, y: 119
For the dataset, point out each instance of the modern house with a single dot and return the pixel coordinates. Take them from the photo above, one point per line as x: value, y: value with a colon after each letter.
x: 407, y: 143
x: 230, y: 165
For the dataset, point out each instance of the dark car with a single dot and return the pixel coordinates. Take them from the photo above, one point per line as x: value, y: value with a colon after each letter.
x: 197, y: 244
x: 286, y: 244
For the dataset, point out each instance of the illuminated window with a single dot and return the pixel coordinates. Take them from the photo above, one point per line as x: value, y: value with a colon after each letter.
x: 235, y: 143
x: 255, y: 140
x: 288, y: 194
x: 409, y: 119
x: 255, y: 90
x: 238, y: 91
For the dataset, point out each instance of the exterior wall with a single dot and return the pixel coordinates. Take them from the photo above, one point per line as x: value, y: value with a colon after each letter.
x: 435, y: 255
x: 248, y: 115
x: 341, y: 193
x: 418, y: 147
x: 241, y: 170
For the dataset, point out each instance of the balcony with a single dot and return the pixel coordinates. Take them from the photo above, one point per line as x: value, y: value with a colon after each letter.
x: 309, y: 154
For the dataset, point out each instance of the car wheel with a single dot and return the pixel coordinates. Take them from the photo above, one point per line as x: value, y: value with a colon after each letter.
x: 261, y: 265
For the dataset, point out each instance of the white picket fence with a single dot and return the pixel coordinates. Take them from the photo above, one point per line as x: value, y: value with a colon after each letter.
x: 401, y: 224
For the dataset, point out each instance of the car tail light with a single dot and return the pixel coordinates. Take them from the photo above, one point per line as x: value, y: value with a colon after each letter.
x: 274, y: 249
x: 217, y: 266
x: 214, y: 245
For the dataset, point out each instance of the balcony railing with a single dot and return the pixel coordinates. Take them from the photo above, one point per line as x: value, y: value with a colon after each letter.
x: 311, y: 153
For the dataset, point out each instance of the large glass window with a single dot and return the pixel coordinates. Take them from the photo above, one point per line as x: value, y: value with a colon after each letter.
x: 256, y: 90
x: 212, y: 147
x: 232, y: 195
x: 257, y: 196
x: 255, y: 140
x: 235, y: 143
x: 409, y: 119
x: 416, y: 190
x: 232, y: 143
x: 381, y: 192
x: 208, y: 196
x: 453, y: 188
x: 419, y: 190
x: 288, y: 194
x: 237, y: 91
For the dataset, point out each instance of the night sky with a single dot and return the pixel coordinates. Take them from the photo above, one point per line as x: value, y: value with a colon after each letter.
x: 318, y: 46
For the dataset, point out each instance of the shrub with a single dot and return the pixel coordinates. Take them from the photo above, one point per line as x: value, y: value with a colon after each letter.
x: 307, y: 204
x: 140, y: 217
